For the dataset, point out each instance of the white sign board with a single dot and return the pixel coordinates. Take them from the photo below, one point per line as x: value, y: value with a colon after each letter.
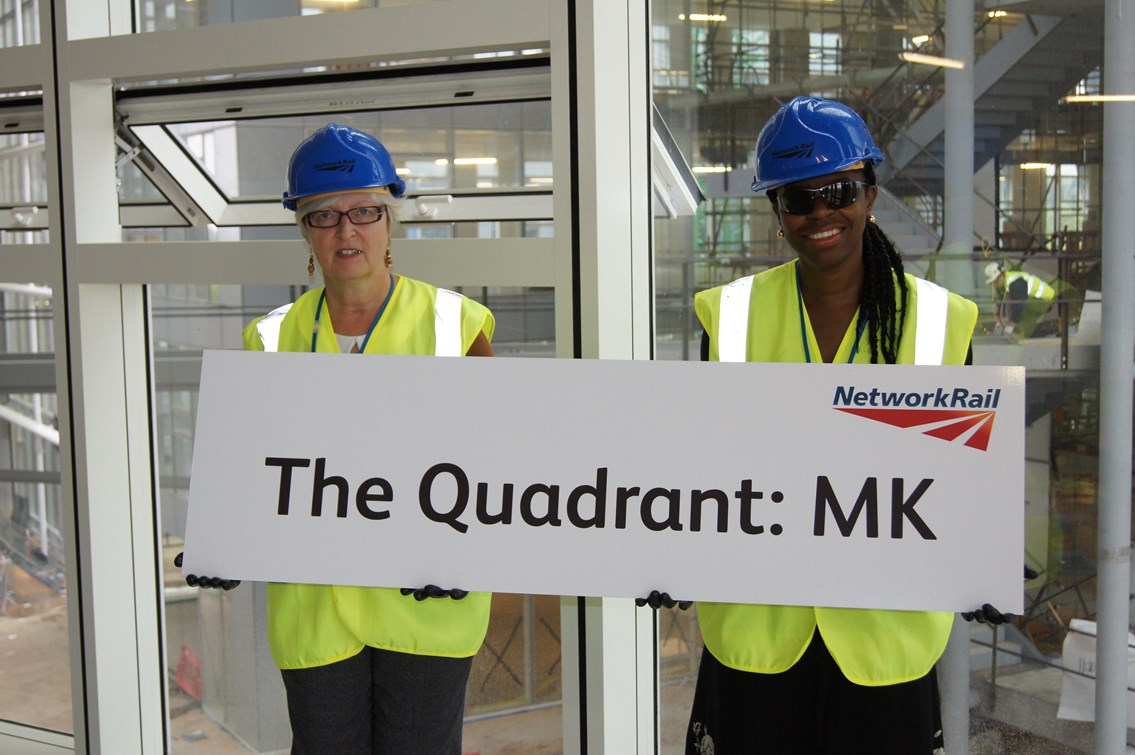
x: 838, y: 485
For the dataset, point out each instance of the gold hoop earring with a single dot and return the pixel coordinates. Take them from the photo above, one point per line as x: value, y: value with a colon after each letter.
x: 388, y: 259
x: 871, y: 219
x: 780, y: 233
x: 310, y: 264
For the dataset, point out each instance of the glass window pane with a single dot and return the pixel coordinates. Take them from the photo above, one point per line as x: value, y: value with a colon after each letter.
x: 35, y: 670
x: 19, y: 23
x: 1041, y: 217
x: 223, y: 683
x: 162, y: 15
x: 493, y: 146
x: 514, y: 693
x: 23, y: 189
x: 679, y: 653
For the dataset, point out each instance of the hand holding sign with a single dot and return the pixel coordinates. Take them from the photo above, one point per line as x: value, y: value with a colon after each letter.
x: 988, y: 614
x: 658, y: 600
x: 194, y: 580
x: 433, y: 591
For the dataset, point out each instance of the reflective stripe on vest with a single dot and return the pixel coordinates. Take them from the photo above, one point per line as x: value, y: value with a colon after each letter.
x: 447, y: 325
x: 268, y: 327
x: 1038, y: 289
x: 733, y: 322
x: 930, y: 336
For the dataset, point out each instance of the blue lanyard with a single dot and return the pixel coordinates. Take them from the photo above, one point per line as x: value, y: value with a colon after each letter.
x: 804, y: 327
x: 373, y: 325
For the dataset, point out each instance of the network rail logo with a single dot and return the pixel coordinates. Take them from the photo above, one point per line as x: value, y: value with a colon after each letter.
x: 346, y: 165
x: 798, y: 150
x: 953, y: 414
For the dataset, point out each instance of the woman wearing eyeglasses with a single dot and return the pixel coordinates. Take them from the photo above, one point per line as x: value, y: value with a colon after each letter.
x: 792, y: 679
x: 368, y: 670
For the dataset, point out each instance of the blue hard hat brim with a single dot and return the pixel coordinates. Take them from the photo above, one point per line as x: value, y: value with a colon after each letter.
x: 292, y: 203
x: 821, y: 168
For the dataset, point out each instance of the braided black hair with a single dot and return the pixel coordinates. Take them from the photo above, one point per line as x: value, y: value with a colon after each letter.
x: 882, y: 267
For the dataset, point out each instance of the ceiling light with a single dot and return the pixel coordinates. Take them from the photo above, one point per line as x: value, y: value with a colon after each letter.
x: 711, y: 169
x: 998, y: 13
x: 1099, y: 98
x: 1034, y: 166
x: 710, y: 17
x: 474, y: 161
x: 920, y: 40
x: 930, y: 60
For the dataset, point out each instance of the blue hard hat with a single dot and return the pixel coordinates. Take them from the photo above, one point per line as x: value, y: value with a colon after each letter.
x: 339, y: 158
x: 810, y: 137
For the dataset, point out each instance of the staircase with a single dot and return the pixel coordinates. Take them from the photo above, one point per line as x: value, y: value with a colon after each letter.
x: 1022, y: 77
x: 910, y: 235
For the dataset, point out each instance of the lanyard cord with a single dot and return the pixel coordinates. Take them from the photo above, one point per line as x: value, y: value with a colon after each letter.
x: 804, y: 327
x: 373, y: 325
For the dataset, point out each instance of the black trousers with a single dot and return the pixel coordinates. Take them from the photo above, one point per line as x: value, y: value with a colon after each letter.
x: 810, y: 709
x: 378, y: 703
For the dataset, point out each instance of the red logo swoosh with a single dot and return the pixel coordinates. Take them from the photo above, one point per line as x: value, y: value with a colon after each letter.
x: 948, y: 424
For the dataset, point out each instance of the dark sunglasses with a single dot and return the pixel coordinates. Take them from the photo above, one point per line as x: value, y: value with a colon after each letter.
x: 331, y: 218
x: 836, y: 196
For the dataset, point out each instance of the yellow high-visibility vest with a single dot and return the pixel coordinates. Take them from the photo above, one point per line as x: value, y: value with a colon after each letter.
x: 757, y: 319
x: 1038, y: 289
x: 314, y: 625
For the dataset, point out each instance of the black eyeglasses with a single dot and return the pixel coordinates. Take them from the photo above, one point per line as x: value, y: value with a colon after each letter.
x: 836, y: 196
x: 331, y: 218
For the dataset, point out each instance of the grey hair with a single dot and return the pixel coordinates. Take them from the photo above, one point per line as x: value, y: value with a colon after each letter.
x: 395, y: 206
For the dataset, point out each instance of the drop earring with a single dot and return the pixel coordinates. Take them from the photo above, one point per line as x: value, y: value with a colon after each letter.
x: 388, y: 259
x: 310, y: 264
x: 780, y: 233
x: 871, y: 219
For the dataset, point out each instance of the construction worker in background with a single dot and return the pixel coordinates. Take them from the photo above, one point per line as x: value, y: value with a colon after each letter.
x: 1021, y: 300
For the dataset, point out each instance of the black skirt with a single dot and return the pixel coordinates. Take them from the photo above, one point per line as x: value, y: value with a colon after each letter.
x: 809, y: 709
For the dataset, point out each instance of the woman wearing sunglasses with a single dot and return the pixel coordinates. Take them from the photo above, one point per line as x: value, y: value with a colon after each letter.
x: 791, y: 679
x: 367, y: 670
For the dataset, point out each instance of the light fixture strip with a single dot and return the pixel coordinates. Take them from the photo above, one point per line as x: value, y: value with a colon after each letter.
x: 931, y: 60
x: 1099, y: 98
x: 713, y: 18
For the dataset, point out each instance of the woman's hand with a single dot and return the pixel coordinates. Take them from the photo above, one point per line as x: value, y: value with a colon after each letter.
x: 194, y: 580
x: 658, y: 600
x: 987, y: 614
x: 433, y: 591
